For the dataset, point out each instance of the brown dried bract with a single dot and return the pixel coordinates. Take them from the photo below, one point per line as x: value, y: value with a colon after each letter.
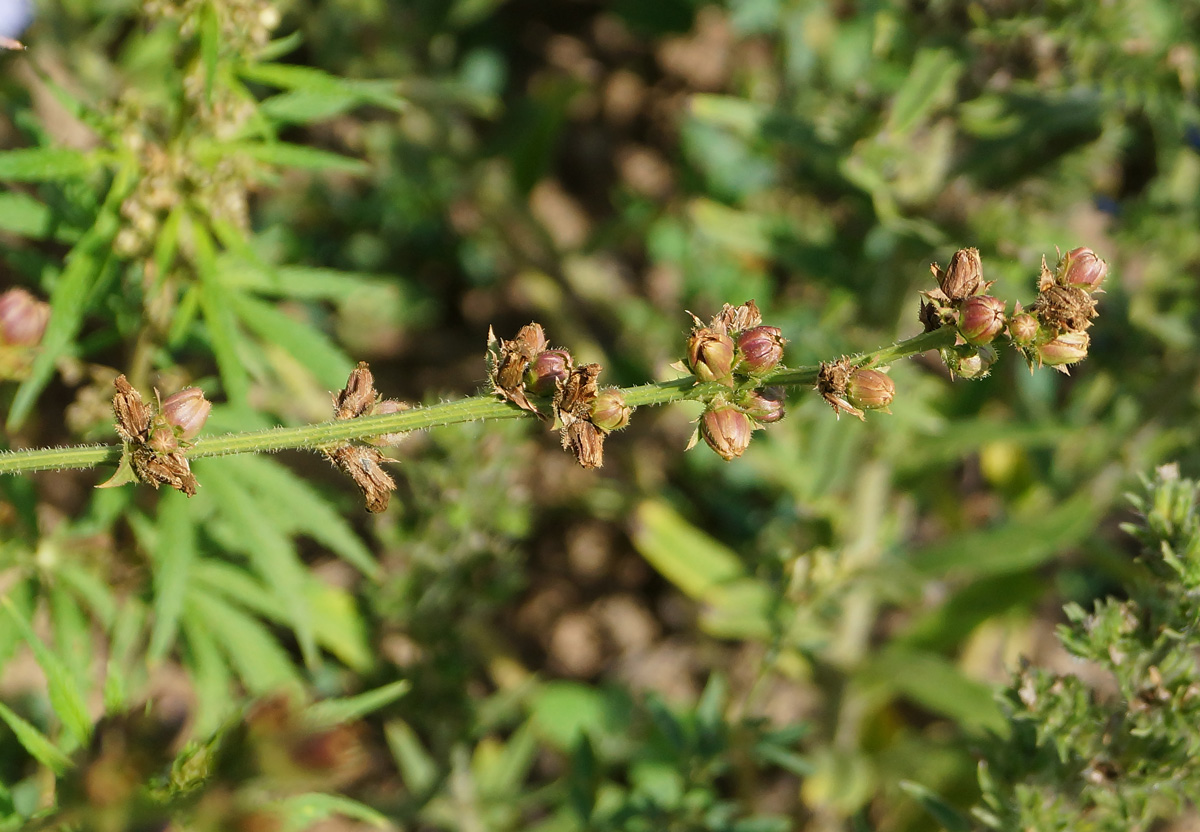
x: 735, y: 319
x: 361, y: 463
x: 133, y: 416
x: 507, y: 366
x: 1064, y: 308
x: 831, y: 384
x: 358, y: 396
x: 364, y: 466
x: 963, y: 277
x: 573, y: 406
x: 158, y: 469
x: 586, y: 441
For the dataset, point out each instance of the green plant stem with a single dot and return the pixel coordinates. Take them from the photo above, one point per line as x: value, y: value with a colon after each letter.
x: 325, y: 434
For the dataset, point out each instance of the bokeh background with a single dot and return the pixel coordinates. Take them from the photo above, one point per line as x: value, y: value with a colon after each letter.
x: 673, y: 642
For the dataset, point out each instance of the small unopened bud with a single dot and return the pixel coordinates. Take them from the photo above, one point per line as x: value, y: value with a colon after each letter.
x: 609, y: 411
x: 870, y: 390
x: 163, y: 440
x: 1067, y: 348
x: 186, y: 411
x: 970, y: 362
x: 982, y: 319
x: 1023, y: 329
x: 547, y: 370
x: 23, y: 318
x: 1081, y: 267
x: 765, y: 406
x: 963, y: 277
x: 761, y: 349
x: 726, y: 430
x: 710, y: 355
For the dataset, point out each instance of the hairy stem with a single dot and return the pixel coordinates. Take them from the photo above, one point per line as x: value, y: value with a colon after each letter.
x: 473, y: 409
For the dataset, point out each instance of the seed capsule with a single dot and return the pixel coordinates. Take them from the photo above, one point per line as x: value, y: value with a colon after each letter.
x: 23, y: 318
x: 870, y: 390
x: 710, y: 355
x: 982, y: 319
x: 1067, y: 348
x: 726, y: 430
x: 186, y: 411
x: 761, y: 349
x: 765, y: 406
x: 1081, y: 267
x: 609, y: 411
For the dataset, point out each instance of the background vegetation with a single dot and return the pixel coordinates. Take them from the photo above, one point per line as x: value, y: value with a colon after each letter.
x: 251, y: 197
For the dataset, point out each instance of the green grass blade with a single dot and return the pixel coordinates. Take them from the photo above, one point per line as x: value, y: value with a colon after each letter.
x: 35, y: 742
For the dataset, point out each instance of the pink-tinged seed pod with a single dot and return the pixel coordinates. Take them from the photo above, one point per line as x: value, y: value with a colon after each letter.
x: 547, y: 370
x: 726, y: 430
x: 982, y: 319
x: 23, y: 318
x: 1023, y: 329
x: 609, y: 411
x: 186, y: 411
x: 710, y: 355
x: 1067, y: 348
x: 870, y: 390
x: 761, y: 349
x: 765, y: 406
x: 1081, y: 267
x: 383, y: 408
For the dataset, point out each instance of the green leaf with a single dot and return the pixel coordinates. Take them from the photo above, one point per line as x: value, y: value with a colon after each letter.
x: 929, y: 84
x: 935, y: 683
x: 417, y: 768
x: 302, y: 811
x: 1017, y: 545
x: 86, y: 264
x: 253, y: 652
x: 46, y: 164
x: 124, y: 641
x: 294, y: 156
x: 330, y: 712
x: 950, y: 818
x: 309, y: 346
x: 338, y: 627
x: 23, y: 215
x: 684, y: 555
x: 297, y: 507
x: 174, y: 555
x: 222, y: 327
x: 269, y: 551
x: 210, y: 42
x: 72, y: 634
x: 209, y: 674
x: 91, y: 590
x: 65, y: 698
x: 35, y: 742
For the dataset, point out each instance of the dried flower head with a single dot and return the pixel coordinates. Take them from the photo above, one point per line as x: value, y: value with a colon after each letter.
x: 737, y: 319
x: 963, y: 278
x: 1064, y: 308
x: 509, y: 360
x: 573, y: 404
x: 362, y: 463
x: 150, y: 450
x: 832, y: 379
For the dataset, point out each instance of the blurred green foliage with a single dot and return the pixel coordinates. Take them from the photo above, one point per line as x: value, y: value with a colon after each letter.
x: 251, y: 197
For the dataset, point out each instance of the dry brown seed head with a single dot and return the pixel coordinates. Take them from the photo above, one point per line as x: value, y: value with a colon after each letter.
x: 737, y: 319
x: 1064, y: 308
x: 133, y: 415
x: 586, y: 441
x: 832, y: 379
x: 963, y: 277
x: 359, y: 395
x: 364, y: 466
